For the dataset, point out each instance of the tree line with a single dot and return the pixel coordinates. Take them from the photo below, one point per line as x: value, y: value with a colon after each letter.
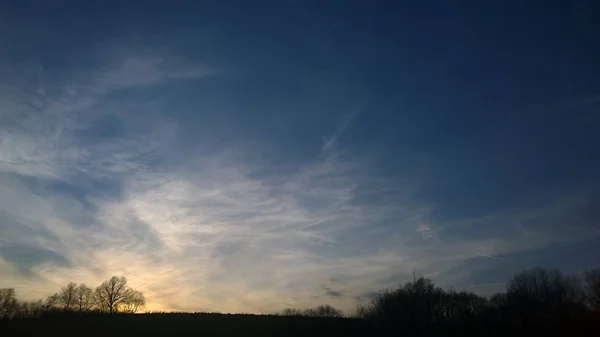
x: 319, y: 311
x: 534, y: 296
x: 112, y: 296
x: 531, y: 297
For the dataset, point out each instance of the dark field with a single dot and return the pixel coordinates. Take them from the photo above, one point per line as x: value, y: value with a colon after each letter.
x: 259, y: 325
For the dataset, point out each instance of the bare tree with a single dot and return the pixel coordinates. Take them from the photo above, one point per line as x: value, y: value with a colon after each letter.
x: 324, y: 311
x: 110, y: 293
x: 133, y: 302
x: 420, y: 302
x: 8, y: 303
x: 114, y: 294
x: 36, y: 308
x: 545, y: 286
x: 319, y: 311
x: 67, y: 296
x: 31, y: 309
x: 452, y: 307
x: 592, y: 280
x: 416, y: 302
x: 539, y: 295
x: 51, y: 302
x: 498, y: 300
x: 291, y: 312
x: 84, y: 298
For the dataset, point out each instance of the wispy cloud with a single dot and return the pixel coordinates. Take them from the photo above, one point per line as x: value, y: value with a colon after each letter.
x: 332, y: 140
x: 492, y: 257
x: 426, y: 232
x: 142, y: 70
x: 205, y: 231
x: 41, y: 129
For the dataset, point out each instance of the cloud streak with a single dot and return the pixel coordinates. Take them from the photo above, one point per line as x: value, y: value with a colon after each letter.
x: 332, y: 140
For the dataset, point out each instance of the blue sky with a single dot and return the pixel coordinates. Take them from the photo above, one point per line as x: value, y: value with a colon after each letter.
x: 242, y: 156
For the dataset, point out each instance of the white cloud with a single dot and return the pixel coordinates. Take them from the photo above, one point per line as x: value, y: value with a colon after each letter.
x: 426, y: 232
x: 37, y: 135
x: 232, y: 231
x: 142, y: 70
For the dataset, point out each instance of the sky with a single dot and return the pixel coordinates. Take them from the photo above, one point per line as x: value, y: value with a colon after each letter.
x: 251, y: 156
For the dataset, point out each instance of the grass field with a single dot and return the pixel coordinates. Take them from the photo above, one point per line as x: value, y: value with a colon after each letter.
x: 258, y: 325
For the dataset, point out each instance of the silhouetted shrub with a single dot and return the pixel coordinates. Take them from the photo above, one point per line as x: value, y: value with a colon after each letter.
x: 542, y: 295
x: 319, y: 311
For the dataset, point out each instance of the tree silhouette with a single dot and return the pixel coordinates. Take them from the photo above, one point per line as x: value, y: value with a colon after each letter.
x: 51, y: 302
x: 133, y: 301
x: 324, y: 311
x: 84, y: 298
x: 114, y: 294
x: 454, y: 307
x: 67, y: 296
x: 319, y: 311
x: 31, y: 309
x: 592, y: 279
x: 292, y: 312
x: 8, y: 303
x: 538, y: 295
x: 533, y: 298
x: 418, y: 302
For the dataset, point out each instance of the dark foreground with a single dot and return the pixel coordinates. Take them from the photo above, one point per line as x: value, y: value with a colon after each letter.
x: 253, y: 325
